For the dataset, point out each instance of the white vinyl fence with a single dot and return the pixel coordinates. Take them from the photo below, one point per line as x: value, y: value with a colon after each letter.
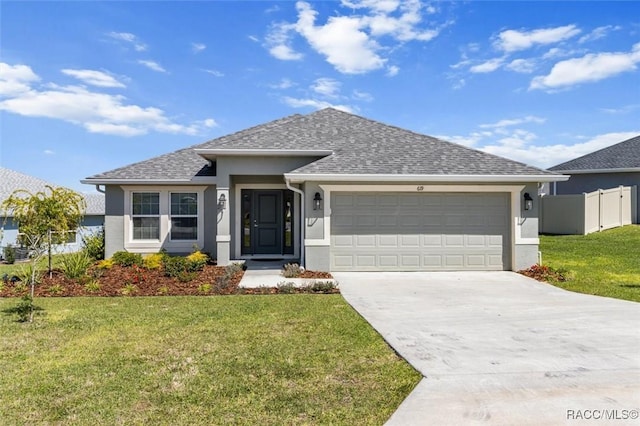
x: 582, y: 214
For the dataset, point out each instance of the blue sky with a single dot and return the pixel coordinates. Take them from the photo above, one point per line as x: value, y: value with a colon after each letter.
x: 86, y: 87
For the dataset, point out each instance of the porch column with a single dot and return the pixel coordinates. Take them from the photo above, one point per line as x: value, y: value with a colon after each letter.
x: 223, y: 229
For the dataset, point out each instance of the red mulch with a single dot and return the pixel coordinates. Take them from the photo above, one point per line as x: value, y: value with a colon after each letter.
x: 138, y: 281
x: 543, y: 273
x: 315, y: 274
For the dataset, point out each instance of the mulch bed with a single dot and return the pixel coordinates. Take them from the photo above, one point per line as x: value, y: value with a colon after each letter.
x: 543, y: 273
x: 138, y: 281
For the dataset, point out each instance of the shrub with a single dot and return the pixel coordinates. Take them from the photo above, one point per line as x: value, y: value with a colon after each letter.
x: 20, y: 288
x: 178, y: 267
x: 75, y: 265
x: 92, y: 286
x: 196, y: 261
x: 9, y: 254
x: 545, y: 273
x: 56, y: 289
x: 174, y: 266
x: 28, y: 271
x: 94, y: 245
x: 153, y: 261
x: 291, y: 270
x: 205, y: 288
x: 286, y: 288
x: 129, y: 290
x: 124, y: 258
x: 224, y: 283
x: 24, y: 308
x: 322, y: 287
x: 105, y: 264
x: 163, y: 291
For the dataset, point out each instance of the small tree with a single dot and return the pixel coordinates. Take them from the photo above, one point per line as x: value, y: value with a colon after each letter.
x: 44, y: 219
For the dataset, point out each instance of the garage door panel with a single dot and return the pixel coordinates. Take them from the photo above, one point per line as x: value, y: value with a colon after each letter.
x: 365, y: 241
x: 390, y: 241
x: 423, y: 231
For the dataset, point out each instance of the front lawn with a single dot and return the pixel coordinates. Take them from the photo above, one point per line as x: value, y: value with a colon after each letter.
x: 603, y: 263
x: 271, y: 360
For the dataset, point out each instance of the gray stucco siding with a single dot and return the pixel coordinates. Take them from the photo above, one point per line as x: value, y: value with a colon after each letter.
x: 113, y: 220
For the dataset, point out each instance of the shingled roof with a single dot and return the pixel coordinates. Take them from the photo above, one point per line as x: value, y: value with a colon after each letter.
x: 624, y: 155
x: 358, y: 146
x: 10, y: 181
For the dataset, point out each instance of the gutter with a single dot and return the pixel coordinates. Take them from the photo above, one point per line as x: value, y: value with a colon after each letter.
x: 598, y: 171
x: 302, y: 221
x: 303, y: 177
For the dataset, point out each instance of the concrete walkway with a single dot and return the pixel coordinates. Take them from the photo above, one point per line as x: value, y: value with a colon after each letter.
x: 503, y: 349
x: 269, y: 274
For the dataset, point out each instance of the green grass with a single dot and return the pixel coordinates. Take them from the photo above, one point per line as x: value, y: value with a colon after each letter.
x: 603, y: 263
x: 269, y: 360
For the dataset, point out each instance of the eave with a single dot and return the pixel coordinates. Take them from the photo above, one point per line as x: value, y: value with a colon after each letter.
x: 303, y: 177
x: 600, y: 171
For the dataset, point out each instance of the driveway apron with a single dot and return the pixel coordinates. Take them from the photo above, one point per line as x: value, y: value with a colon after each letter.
x: 502, y: 349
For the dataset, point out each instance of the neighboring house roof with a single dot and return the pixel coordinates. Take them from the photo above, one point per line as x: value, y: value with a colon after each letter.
x: 10, y: 181
x: 353, y: 145
x: 623, y: 156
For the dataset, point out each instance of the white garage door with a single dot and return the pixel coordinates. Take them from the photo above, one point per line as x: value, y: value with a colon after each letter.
x: 419, y: 231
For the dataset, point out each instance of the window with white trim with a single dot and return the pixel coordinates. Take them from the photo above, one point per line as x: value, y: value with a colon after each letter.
x: 184, y: 216
x: 145, y: 215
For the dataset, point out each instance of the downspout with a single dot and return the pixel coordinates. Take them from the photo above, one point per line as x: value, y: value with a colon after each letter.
x: 102, y: 191
x: 302, y: 218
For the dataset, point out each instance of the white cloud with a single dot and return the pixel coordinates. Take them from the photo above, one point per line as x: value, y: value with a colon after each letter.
x: 362, y: 96
x: 198, y: 47
x: 404, y: 27
x: 253, y: 38
x: 314, y: 103
x: 513, y: 40
x: 520, y: 144
x: 621, y: 110
x: 392, y: 71
x: 513, y: 122
x: 214, y: 73
x: 589, y: 68
x: 488, y: 66
x: 285, y: 83
x: 152, y: 65
x: 598, y: 33
x: 93, y: 77
x: 341, y: 40
x: 326, y: 87
x: 551, y: 155
x: 48, y: 152
x: 350, y: 43
x: 15, y: 79
x: 279, y: 42
x: 524, y: 66
x: 96, y: 112
x: 383, y: 6
x: 129, y: 38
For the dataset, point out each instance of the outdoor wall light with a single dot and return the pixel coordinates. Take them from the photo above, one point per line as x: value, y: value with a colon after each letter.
x: 222, y: 201
x: 317, y: 199
x: 528, y: 201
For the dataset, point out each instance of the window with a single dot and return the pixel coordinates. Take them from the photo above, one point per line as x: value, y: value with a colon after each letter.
x: 184, y: 216
x: 146, y: 215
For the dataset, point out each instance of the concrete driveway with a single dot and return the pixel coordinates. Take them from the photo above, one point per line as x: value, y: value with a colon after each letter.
x: 502, y: 349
